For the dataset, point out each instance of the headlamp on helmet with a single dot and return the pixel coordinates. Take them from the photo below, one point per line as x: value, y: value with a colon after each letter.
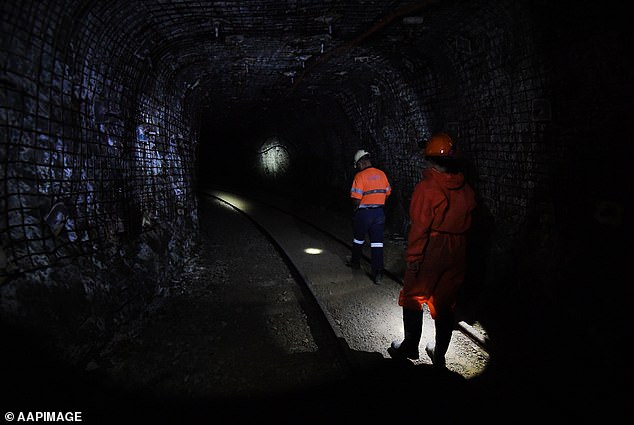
x: 440, y: 144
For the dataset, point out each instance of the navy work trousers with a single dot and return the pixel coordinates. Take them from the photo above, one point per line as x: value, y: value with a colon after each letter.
x: 368, y: 221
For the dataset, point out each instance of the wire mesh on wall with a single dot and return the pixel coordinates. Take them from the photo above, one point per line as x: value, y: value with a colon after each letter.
x: 74, y: 175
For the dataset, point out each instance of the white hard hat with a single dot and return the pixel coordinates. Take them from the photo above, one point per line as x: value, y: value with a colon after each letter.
x: 360, y: 154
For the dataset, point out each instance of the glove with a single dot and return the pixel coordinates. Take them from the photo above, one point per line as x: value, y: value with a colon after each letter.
x: 355, y: 206
x: 413, y: 267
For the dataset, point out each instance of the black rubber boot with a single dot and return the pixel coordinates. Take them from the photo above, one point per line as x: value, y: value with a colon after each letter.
x: 354, y: 260
x: 436, y: 350
x: 408, y: 348
x: 377, y: 277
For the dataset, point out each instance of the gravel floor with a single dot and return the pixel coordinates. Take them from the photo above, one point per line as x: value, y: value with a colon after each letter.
x: 234, y: 337
x: 234, y: 326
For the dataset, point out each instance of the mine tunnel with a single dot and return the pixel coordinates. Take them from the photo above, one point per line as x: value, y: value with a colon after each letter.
x: 117, y: 115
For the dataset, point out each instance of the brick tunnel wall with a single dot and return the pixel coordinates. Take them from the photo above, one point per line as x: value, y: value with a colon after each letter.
x: 536, y: 102
x: 96, y: 175
x: 96, y: 164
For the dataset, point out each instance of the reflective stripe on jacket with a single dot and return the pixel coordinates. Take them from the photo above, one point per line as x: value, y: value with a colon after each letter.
x: 371, y: 187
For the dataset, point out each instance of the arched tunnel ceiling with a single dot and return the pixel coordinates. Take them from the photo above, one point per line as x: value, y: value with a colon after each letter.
x: 232, y: 55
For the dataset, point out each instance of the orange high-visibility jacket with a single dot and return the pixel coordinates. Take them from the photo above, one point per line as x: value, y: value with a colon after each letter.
x: 371, y: 187
x: 440, y: 214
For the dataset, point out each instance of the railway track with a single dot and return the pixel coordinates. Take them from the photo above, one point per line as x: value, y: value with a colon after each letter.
x: 364, y: 318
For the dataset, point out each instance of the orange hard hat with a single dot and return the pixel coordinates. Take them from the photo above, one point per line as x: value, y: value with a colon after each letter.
x: 440, y: 144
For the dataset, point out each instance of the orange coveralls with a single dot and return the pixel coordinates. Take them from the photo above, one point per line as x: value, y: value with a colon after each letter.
x: 440, y: 214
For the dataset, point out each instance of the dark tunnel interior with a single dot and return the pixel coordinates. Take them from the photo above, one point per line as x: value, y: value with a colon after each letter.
x: 115, y: 116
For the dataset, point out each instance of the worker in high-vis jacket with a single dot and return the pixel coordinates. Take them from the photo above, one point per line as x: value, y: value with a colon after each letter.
x: 440, y: 215
x: 369, y: 191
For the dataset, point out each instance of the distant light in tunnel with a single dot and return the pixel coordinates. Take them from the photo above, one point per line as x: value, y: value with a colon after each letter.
x: 274, y: 158
x: 313, y: 251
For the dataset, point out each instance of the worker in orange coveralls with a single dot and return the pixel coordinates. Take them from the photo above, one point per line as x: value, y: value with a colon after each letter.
x: 440, y: 214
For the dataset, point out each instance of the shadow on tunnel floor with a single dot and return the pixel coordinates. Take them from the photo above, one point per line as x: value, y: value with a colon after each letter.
x: 379, y: 391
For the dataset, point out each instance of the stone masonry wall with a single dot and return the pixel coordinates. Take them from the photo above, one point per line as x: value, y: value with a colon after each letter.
x: 95, y: 196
